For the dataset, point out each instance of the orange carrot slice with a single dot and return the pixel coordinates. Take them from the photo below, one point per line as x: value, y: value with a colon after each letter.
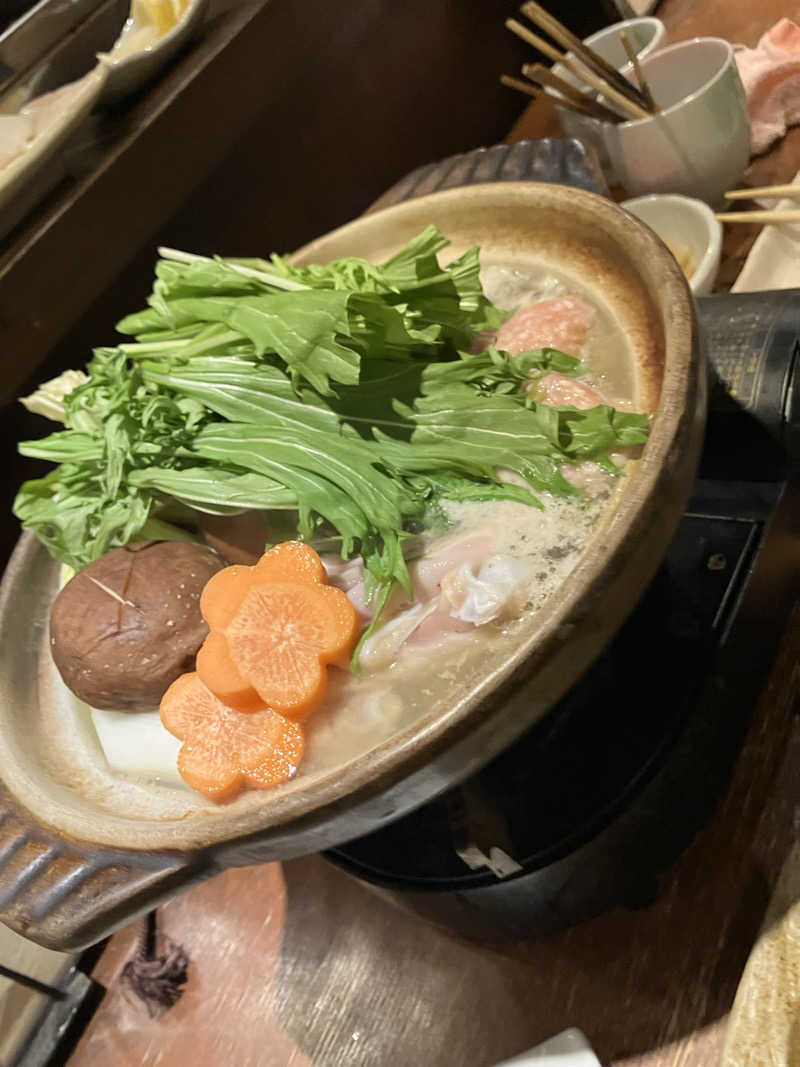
x: 291, y: 561
x: 281, y: 638
x: 274, y: 629
x: 346, y: 625
x: 224, y: 749
x: 221, y: 597
x: 221, y: 675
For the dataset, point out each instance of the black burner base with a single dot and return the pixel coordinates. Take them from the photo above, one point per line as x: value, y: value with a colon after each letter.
x: 585, y: 810
x: 592, y: 802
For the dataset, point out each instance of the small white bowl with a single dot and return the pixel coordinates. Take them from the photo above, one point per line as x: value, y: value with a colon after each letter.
x: 690, y: 231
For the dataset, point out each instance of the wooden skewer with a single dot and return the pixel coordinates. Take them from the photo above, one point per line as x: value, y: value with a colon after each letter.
x: 788, y: 215
x: 633, y: 110
x: 579, y: 108
x: 538, y: 72
x: 790, y: 191
x: 536, y: 92
x: 565, y: 37
x: 644, y: 88
x: 523, y: 87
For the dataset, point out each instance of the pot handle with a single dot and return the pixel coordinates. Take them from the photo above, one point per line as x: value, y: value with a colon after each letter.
x: 67, y: 895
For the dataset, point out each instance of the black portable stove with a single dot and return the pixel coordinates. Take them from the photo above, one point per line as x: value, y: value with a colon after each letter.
x: 592, y: 802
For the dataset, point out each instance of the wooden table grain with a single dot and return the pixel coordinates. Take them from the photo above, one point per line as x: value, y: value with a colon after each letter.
x: 297, y: 964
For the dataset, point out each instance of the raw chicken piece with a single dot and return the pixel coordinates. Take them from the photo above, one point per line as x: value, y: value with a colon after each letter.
x: 471, y: 595
x: 479, y: 598
x: 469, y: 599
x: 590, y: 478
x: 470, y: 548
x: 438, y: 626
x: 560, y: 322
x: 426, y: 573
x: 383, y: 647
x: 461, y: 583
x: 348, y: 575
x: 560, y: 391
x: 462, y: 594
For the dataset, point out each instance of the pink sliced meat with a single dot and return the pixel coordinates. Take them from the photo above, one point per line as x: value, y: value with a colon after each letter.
x: 770, y: 73
x: 560, y: 391
x: 560, y: 322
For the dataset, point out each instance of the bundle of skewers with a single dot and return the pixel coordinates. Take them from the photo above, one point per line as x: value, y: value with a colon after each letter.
x: 770, y: 215
x: 619, y: 99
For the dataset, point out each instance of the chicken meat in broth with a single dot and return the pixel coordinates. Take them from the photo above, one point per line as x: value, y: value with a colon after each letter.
x: 500, y: 561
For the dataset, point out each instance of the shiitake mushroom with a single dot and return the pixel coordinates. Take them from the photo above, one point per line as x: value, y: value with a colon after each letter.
x: 127, y: 625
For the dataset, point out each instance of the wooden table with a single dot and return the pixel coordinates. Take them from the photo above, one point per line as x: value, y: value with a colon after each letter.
x: 297, y: 964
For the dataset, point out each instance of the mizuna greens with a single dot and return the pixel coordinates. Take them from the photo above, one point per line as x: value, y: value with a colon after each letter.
x: 343, y: 395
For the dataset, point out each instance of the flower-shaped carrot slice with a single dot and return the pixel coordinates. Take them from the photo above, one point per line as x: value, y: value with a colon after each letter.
x: 274, y: 629
x: 290, y: 561
x: 224, y: 749
x: 215, y: 666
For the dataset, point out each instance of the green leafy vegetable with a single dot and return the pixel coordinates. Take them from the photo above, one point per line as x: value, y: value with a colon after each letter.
x: 342, y: 395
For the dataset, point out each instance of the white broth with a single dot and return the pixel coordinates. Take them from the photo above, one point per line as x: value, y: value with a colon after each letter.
x: 100, y: 753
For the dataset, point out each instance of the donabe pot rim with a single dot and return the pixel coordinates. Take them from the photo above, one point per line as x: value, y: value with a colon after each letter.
x: 307, y: 807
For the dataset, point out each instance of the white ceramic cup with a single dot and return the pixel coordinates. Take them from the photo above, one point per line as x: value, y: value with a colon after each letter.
x: 699, y: 143
x: 646, y: 34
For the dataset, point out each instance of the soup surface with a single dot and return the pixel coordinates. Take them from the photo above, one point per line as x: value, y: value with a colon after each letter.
x: 478, y: 578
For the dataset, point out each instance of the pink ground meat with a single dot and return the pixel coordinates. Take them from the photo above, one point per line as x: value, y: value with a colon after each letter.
x: 560, y: 391
x: 560, y: 322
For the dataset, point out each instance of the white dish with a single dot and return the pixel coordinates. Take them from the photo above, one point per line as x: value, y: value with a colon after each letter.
x: 52, y: 117
x: 645, y: 34
x: 690, y: 231
x: 567, y: 1049
x: 33, y: 137
x: 774, y: 259
x: 136, y: 57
